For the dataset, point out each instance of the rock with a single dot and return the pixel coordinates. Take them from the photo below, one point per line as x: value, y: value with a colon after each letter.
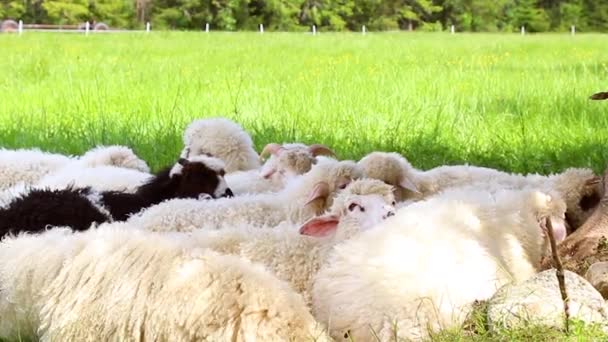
x: 597, y: 275
x: 538, y: 301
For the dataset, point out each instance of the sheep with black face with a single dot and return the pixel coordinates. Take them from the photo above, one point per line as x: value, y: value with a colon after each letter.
x: 78, y: 208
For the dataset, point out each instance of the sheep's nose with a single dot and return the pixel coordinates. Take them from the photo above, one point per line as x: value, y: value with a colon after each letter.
x: 390, y: 213
x: 228, y: 193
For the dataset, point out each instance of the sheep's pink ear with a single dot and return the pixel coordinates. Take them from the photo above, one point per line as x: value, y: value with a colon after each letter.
x: 321, y: 190
x: 407, y: 184
x: 268, y: 173
x: 320, y: 226
x: 272, y: 148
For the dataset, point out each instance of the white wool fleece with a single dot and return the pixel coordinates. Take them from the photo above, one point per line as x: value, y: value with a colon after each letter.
x: 420, y: 270
x: 221, y: 138
x: 255, y: 210
x: 119, y: 283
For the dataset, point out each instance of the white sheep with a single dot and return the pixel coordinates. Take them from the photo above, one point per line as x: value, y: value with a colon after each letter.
x: 421, y: 269
x: 578, y: 187
x: 286, y: 161
x: 303, y: 198
x: 27, y: 167
x: 120, y: 283
x: 224, y: 139
x: 101, y: 178
x: 295, y: 254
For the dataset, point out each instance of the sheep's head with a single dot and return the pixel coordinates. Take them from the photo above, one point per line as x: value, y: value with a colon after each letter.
x: 289, y: 160
x: 361, y: 206
x: 393, y: 169
x: 224, y: 139
x: 582, y: 191
x: 548, y: 207
x: 330, y: 176
x: 201, y: 177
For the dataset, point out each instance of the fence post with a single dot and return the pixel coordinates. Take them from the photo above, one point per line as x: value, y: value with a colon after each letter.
x: 452, y: 29
x: 363, y: 29
x: 87, y: 26
x: 573, y: 30
x: 207, y: 27
x: 261, y: 28
x: 148, y: 27
x: 314, y: 29
x: 20, y: 28
x: 523, y: 30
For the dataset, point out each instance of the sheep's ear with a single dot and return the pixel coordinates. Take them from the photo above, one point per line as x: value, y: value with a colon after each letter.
x: 272, y: 148
x: 268, y: 173
x: 320, y: 226
x: 321, y: 190
x: 557, y: 225
x: 407, y: 184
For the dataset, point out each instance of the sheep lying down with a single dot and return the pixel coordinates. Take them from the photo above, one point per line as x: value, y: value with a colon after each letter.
x: 79, y: 208
x: 286, y: 162
x: 303, y: 198
x: 121, y: 283
x: 28, y: 166
x: 293, y: 253
x: 579, y: 188
x: 422, y: 268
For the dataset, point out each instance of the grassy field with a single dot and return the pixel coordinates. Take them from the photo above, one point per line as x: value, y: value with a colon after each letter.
x: 506, y: 101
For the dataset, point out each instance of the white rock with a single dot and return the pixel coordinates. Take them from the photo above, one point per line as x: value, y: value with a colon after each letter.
x: 597, y: 275
x: 538, y: 301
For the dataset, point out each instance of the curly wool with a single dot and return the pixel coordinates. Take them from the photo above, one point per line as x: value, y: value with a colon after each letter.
x: 223, y: 139
x: 118, y: 283
x: 435, y: 258
x: 268, y: 209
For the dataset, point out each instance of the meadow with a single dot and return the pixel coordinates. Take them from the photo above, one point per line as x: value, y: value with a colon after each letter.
x: 504, y: 101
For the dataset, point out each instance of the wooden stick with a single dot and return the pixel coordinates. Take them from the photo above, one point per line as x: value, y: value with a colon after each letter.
x: 559, y: 273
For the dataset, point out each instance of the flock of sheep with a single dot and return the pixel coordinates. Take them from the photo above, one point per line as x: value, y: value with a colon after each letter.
x: 304, y: 247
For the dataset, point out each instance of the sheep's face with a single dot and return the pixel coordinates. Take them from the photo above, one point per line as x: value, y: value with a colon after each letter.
x: 368, y: 210
x: 360, y: 212
x: 199, y: 176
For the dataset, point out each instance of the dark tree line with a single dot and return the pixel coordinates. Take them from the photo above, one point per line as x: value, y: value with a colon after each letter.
x: 335, y: 15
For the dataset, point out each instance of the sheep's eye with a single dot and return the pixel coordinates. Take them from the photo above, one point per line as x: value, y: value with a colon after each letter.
x: 343, y: 186
x: 352, y: 206
x: 361, y: 208
x: 393, y: 203
x: 222, y: 173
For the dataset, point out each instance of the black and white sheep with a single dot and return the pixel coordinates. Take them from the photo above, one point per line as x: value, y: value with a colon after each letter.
x: 78, y: 208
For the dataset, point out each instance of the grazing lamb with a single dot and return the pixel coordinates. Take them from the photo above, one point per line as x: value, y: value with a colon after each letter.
x: 286, y: 162
x: 120, y: 283
x: 29, y: 166
x: 224, y: 139
x: 79, y: 208
x: 421, y: 269
x: 303, y: 198
x: 579, y: 187
x: 296, y: 258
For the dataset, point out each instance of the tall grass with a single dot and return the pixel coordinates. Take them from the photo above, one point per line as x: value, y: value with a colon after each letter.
x: 505, y: 101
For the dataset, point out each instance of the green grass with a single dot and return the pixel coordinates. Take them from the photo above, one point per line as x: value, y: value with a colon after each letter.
x: 505, y: 101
